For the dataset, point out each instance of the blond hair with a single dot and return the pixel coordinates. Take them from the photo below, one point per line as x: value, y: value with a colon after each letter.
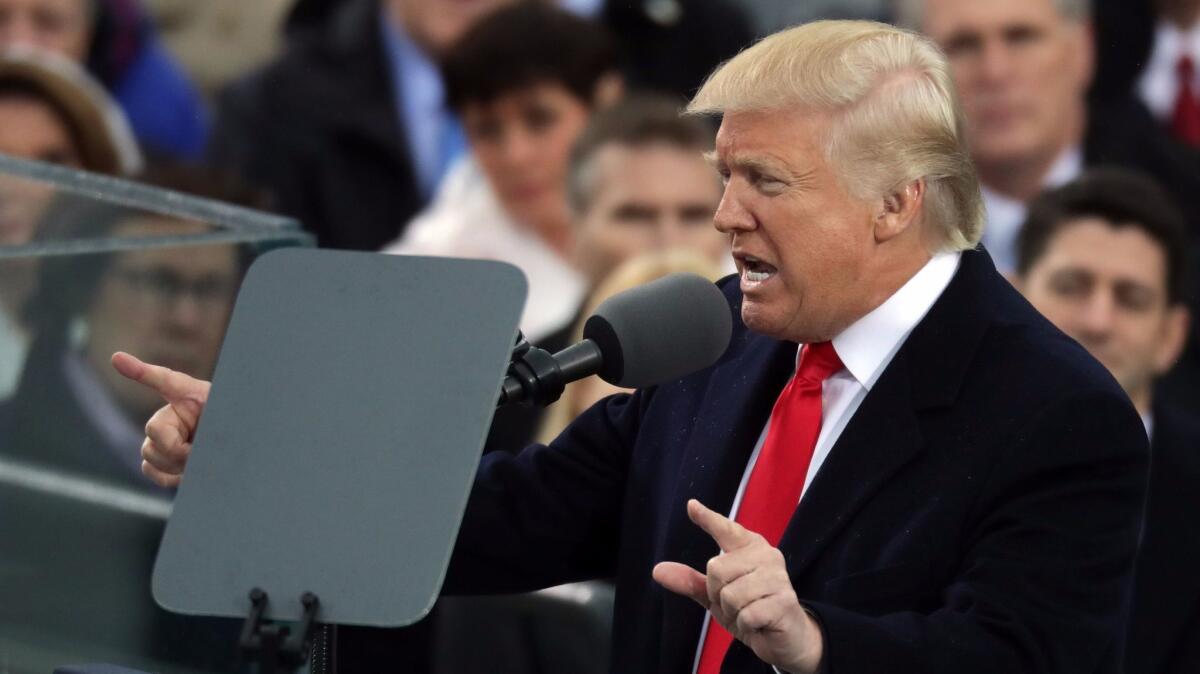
x: 630, y: 274
x: 896, y: 117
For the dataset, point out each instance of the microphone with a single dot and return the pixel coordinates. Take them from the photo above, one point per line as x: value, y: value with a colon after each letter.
x: 648, y: 335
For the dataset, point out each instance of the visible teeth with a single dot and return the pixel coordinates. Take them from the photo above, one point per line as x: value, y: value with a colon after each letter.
x: 757, y: 276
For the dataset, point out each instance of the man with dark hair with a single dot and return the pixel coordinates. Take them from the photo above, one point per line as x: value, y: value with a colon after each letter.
x: 1104, y: 258
x: 637, y: 182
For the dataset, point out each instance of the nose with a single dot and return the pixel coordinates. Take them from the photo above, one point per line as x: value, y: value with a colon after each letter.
x: 517, y: 148
x: 1097, y: 317
x: 732, y: 216
x: 18, y: 30
x: 186, y: 312
x: 995, y: 62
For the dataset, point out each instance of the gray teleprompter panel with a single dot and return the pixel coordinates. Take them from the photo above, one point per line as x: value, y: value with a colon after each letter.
x: 348, y: 411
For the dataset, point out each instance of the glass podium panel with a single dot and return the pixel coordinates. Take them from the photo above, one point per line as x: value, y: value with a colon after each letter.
x: 90, y: 265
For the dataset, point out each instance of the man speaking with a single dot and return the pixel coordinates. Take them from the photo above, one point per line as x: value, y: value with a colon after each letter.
x: 896, y: 466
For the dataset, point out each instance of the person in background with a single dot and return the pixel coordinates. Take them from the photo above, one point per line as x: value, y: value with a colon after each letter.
x: 116, y: 42
x: 1023, y: 69
x: 638, y: 182
x: 631, y: 273
x: 349, y: 128
x: 70, y: 422
x: 1104, y: 258
x: 525, y: 81
x: 50, y: 111
x: 1169, y: 83
x: 172, y: 302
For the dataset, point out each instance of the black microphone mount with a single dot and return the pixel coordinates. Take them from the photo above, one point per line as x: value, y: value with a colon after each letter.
x: 537, y: 378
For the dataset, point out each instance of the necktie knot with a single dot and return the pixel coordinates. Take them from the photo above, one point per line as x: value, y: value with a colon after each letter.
x: 818, y: 361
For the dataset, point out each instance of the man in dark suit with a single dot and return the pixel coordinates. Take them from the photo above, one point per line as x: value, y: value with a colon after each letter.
x: 969, y: 480
x: 347, y: 128
x: 1104, y: 259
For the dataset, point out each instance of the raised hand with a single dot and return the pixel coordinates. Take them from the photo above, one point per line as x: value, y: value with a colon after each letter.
x: 748, y: 591
x: 170, y: 430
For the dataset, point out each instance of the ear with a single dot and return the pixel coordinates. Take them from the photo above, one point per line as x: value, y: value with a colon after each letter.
x: 608, y: 90
x: 1173, y: 339
x: 899, y: 210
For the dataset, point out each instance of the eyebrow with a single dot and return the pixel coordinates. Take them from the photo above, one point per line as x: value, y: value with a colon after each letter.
x: 755, y: 164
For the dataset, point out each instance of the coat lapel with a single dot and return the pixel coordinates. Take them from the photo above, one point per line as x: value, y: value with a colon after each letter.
x: 735, y: 408
x: 881, y: 438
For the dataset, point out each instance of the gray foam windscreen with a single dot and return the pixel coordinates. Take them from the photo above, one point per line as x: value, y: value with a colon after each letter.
x: 661, y: 331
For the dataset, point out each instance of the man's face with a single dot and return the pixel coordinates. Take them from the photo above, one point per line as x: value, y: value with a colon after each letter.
x: 522, y: 141
x: 168, y: 305
x: 437, y: 24
x: 1106, y: 287
x: 644, y: 199
x: 801, y: 243
x: 1022, y: 70
x: 29, y: 129
x: 61, y: 26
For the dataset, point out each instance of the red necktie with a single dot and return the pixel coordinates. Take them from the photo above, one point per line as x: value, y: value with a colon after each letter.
x: 778, y: 476
x: 1185, y: 120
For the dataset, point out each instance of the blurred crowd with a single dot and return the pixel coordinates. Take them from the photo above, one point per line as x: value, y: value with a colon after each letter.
x: 548, y: 135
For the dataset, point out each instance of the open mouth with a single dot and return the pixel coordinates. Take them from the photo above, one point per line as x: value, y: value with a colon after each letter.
x: 755, y: 271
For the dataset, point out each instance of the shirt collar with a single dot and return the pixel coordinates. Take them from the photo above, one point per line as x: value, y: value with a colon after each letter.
x: 867, y: 346
x: 415, y: 75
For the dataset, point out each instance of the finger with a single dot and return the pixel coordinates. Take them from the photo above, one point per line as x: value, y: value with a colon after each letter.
x: 764, y: 614
x: 169, y: 433
x: 728, y: 534
x: 746, y: 590
x: 169, y: 464
x: 159, y: 477
x: 683, y: 580
x: 171, y: 385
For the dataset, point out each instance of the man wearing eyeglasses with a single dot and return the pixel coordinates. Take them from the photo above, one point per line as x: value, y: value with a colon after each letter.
x: 70, y: 411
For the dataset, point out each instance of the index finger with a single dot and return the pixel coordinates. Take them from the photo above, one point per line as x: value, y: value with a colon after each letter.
x: 173, y: 386
x: 728, y: 534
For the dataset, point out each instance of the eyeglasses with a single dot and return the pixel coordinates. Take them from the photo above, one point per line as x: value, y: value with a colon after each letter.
x: 165, y: 288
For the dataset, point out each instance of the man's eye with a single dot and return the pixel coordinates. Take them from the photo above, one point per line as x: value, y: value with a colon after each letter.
x: 963, y: 45
x: 768, y: 185
x: 1070, y: 286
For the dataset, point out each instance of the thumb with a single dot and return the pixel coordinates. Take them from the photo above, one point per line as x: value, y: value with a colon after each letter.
x: 684, y: 580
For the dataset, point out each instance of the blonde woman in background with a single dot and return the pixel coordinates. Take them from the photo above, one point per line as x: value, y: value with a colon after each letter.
x: 642, y: 269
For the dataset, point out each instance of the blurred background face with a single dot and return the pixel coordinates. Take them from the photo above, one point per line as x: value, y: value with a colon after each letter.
x: 1106, y: 287
x: 644, y: 199
x: 437, y: 24
x: 522, y: 141
x: 29, y: 129
x: 62, y: 26
x: 1021, y: 69
x: 169, y: 306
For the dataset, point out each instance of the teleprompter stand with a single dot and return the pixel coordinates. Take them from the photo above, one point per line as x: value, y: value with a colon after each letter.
x: 273, y: 646
x: 348, y: 411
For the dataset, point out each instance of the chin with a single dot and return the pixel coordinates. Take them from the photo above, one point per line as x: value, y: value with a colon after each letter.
x: 759, y: 320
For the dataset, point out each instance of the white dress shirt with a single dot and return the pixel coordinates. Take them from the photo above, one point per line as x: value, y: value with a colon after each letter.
x: 1158, y: 85
x: 865, y: 348
x: 1005, y: 215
